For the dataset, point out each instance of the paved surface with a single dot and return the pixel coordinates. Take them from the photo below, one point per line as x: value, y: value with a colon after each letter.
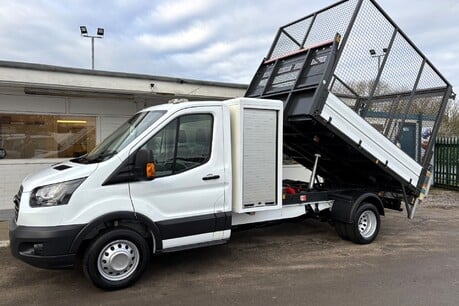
x: 3, y: 231
x: 411, y: 263
x: 6, y: 214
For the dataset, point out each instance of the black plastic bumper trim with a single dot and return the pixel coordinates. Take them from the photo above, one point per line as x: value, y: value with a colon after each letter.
x: 44, y: 247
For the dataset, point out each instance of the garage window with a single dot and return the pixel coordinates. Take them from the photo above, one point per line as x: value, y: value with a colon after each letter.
x: 45, y: 136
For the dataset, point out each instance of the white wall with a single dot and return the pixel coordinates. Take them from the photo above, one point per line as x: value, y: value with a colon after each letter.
x: 77, y: 79
x: 12, y: 172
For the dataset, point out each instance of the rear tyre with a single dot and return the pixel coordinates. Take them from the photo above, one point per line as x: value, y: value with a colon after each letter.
x: 365, y: 226
x: 340, y: 228
x: 116, y: 259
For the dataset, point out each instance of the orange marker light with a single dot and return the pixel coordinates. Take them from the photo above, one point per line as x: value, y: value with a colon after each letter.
x: 151, y: 170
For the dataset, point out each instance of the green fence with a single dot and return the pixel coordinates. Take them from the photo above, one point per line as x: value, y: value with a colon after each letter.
x: 446, y: 168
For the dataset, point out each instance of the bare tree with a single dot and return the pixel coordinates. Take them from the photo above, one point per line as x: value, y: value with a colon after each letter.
x: 450, y: 124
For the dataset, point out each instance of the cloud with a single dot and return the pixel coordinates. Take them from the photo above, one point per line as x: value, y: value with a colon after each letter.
x: 202, y: 39
x: 176, y: 11
x: 229, y: 60
x: 185, y: 39
x: 222, y: 50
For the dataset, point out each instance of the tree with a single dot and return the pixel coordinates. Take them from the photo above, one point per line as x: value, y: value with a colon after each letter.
x: 450, y: 123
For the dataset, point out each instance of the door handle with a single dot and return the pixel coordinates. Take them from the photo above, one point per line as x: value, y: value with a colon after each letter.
x: 210, y: 177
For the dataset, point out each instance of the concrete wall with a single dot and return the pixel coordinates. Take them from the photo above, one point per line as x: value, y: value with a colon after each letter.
x: 43, y: 77
x: 11, y: 175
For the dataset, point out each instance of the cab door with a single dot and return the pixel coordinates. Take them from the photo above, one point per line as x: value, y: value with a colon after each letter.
x: 186, y: 198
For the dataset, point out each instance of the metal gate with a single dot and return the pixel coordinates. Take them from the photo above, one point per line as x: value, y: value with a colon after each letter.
x: 446, y: 170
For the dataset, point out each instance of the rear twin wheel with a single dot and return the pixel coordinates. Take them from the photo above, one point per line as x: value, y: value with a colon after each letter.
x: 365, y: 226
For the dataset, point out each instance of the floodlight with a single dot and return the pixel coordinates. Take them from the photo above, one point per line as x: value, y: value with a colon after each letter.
x: 83, y: 30
x: 100, y: 34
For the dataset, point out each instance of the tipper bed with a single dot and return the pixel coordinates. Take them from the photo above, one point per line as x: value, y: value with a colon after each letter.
x: 360, y: 94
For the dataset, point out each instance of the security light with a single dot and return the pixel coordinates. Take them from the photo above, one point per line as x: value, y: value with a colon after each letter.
x: 83, y: 30
x: 373, y: 54
x: 100, y: 34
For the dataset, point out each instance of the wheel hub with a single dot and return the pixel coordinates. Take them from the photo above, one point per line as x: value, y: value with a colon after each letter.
x: 367, y: 223
x: 118, y: 260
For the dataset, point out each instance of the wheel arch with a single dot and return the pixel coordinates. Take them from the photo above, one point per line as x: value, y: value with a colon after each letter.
x: 373, y: 199
x: 346, y: 204
x: 134, y: 221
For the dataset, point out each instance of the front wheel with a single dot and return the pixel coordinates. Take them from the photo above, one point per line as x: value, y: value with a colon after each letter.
x: 366, y: 224
x: 116, y: 259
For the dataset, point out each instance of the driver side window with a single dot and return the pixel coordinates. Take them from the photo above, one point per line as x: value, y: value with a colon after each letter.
x: 183, y: 144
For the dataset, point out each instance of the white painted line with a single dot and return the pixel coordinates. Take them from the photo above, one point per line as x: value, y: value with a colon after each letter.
x: 4, y: 243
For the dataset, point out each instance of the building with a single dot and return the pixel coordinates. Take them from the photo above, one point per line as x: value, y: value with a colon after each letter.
x: 49, y: 113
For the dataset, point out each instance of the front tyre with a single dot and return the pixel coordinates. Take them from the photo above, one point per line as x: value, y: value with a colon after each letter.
x: 366, y: 224
x: 116, y: 259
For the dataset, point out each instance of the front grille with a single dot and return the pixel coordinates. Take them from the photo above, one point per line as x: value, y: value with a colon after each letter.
x: 17, y: 201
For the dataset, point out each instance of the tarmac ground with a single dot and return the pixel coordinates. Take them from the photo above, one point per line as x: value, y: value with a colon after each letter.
x: 412, y: 262
x: 3, y: 230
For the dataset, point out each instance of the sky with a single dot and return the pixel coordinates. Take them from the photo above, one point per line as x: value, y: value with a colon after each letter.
x: 214, y: 40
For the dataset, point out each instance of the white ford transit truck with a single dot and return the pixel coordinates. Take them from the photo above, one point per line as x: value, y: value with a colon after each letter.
x: 184, y: 175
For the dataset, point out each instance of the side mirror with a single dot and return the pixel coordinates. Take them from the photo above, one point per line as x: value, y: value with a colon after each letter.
x: 144, y: 165
x: 2, y: 153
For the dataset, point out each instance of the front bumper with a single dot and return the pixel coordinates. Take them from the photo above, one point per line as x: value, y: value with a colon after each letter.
x: 44, y: 247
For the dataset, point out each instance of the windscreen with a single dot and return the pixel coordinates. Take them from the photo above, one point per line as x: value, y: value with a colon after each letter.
x: 121, y: 137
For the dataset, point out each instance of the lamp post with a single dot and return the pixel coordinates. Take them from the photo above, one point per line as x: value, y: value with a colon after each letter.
x: 84, y: 33
x: 373, y: 54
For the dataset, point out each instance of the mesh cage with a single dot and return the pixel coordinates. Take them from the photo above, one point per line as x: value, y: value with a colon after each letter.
x: 379, y: 72
x: 313, y: 29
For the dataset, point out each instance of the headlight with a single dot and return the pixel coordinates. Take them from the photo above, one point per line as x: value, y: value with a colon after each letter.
x: 55, y: 194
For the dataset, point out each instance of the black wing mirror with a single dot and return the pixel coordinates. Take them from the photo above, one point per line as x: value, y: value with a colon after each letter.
x: 144, y: 165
